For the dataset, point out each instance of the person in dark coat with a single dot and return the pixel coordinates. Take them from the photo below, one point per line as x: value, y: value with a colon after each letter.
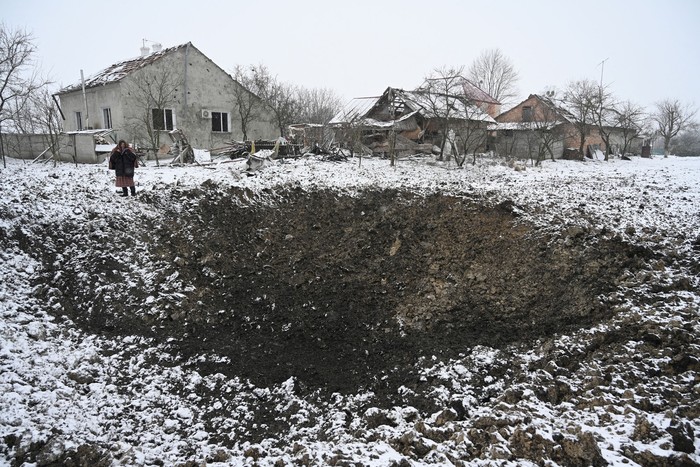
x: 123, y: 161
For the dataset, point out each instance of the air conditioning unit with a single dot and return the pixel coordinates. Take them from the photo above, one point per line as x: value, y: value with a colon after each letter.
x: 206, y: 113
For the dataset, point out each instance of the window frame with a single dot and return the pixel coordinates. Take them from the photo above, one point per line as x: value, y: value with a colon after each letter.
x: 163, y: 125
x: 79, y: 120
x: 107, y: 118
x: 224, y: 122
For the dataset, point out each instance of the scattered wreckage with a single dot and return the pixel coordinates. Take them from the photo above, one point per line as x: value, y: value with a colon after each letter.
x: 260, y: 153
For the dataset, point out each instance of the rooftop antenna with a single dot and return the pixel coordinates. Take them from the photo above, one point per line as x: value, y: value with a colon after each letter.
x: 602, y: 69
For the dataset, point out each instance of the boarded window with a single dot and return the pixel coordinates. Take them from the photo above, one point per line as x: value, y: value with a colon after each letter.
x: 527, y: 114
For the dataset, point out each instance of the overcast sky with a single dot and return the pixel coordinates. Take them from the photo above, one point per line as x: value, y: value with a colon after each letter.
x: 357, y: 48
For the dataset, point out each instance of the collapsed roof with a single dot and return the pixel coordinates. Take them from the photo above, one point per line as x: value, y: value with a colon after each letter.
x: 396, y: 108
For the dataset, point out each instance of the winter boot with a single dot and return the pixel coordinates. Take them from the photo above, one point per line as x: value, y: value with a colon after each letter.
x: 125, y: 192
x: 133, y: 190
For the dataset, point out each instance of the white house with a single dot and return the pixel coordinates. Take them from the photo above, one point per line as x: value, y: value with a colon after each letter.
x: 166, y: 89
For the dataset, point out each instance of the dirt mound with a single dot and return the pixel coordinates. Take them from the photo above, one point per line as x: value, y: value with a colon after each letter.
x: 343, y: 293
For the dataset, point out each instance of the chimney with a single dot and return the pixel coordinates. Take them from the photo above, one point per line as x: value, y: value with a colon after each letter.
x: 145, y: 51
x: 157, y: 47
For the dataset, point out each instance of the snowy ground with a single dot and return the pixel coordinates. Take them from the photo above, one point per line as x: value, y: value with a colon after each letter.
x: 632, y: 403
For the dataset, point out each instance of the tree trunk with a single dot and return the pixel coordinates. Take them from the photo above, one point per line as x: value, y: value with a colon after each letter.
x: 667, y: 146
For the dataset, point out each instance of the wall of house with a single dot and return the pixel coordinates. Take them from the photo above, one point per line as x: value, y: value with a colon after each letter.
x: 493, y: 109
x: 98, y: 98
x: 515, y: 114
x: 524, y: 145
x: 204, y: 85
x: 573, y: 138
x: 211, y: 88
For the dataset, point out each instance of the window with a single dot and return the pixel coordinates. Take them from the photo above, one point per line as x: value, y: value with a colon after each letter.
x: 219, y: 122
x: 107, y: 118
x: 163, y: 119
x: 79, y: 121
x: 527, y: 114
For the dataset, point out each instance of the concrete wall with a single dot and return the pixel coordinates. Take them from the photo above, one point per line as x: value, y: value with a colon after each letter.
x: 525, y: 144
x: 71, y: 147
x: 24, y: 146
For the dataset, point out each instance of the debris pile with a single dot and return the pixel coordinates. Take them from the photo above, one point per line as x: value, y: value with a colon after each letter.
x: 237, y: 149
x: 181, y: 148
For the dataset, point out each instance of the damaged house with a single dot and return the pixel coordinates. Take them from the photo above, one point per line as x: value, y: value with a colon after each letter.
x: 143, y: 100
x: 540, y: 128
x: 419, y: 121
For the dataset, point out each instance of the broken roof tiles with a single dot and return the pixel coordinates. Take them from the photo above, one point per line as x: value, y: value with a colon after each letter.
x: 119, y: 70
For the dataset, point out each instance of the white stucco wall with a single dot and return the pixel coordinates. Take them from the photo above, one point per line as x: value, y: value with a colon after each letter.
x: 203, y: 86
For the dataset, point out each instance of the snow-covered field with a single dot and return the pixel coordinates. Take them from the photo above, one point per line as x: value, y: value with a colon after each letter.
x: 61, y: 388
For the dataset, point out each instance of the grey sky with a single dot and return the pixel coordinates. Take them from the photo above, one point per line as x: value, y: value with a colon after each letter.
x: 360, y: 47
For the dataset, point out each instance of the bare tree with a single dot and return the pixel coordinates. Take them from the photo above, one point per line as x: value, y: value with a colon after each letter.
x: 472, y: 132
x: 41, y: 116
x: 317, y: 105
x: 605, y: 117
x: 630, y: 117
x: 494, y: 73
x: 279, y: 97
x: 154, y: 93
x: 247, y: 102
x: 687, y: 143
x: 440, y: 93
x: 671, y: 118
x: 19, y: 78
x: 582, y: 99
x: 547, y: 131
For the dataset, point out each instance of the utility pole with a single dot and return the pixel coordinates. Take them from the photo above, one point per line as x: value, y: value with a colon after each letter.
x: 600, y: 110
x: 87, y: 115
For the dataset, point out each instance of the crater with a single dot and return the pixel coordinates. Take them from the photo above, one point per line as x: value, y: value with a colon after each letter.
x: 348, y: 293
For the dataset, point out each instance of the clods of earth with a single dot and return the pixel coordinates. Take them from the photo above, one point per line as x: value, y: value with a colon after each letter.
x: 332, y: 313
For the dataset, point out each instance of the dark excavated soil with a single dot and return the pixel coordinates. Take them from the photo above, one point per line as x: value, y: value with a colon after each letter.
x: 344, y: 293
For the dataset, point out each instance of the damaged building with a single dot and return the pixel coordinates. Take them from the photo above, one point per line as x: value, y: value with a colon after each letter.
x: 417, y: 122
x: 163, y: 90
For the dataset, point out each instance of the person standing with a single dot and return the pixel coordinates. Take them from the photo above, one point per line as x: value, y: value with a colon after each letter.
x: 123, y: 161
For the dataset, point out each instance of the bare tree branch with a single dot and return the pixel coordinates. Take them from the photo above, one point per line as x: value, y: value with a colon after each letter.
x: 494, y: 73
x: 279, y: 97
x: 317, y: 105
x: 19, y: 78
x: 248, y: 104
x: 671, y: 116
x: 582, y: 99
x: 153, y: 92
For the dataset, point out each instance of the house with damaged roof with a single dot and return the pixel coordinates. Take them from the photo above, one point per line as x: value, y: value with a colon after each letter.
x: 419, y: 121
x: 541, y: 127
x: 143, y: 99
